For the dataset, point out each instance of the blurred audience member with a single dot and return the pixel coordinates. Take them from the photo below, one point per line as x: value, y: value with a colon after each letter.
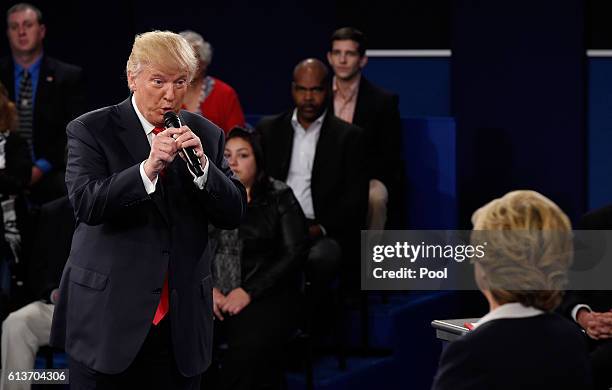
x: 592, y: 310
x: 255, y: 271
x: 15, y: 170
x: 357, y: 101
x: 24, y: 331
x: 520, y: 343
x: 322, y: 159
x: 48, y: 93
x: 209, y: 96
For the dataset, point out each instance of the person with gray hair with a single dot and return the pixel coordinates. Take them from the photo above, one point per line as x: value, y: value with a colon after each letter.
x: 135, y: 300
x: 207, y: 95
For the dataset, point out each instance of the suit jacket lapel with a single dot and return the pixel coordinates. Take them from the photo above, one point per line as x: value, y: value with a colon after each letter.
x: 362, y: 103
x: 135, y: 142
x: 131, y: 133
x: 325, y: 148
x: 46, y: 78
x: 285, y: 140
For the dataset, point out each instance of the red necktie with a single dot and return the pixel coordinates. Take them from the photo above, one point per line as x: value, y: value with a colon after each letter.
x: 156, y: 131
x: 164, y: 301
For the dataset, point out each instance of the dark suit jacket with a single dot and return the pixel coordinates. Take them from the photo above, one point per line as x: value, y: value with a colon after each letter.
x: 60, y: 97
x: 541, y: 352
x: 274, y: 236
x: 600, y: 219
x: 126, y: 241
x: 377, y: 113
x: 51, y: 247
x: 339, y: 181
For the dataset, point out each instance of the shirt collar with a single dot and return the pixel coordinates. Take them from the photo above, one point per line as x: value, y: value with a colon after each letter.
x: 317, y: 121
x: 32, y: 69
x: 509, y: 310
x: 350, y: 91
x: 146, y: 125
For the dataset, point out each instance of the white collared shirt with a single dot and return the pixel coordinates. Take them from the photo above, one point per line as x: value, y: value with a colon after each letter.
x: 302, y: 160
x: 509, y: 310
x: 149, y: 185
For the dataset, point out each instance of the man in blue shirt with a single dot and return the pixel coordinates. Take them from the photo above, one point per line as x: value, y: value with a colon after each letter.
x: 48, y: 93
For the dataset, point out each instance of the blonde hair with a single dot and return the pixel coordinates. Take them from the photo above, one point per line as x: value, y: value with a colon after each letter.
x: 8, y: 111
x: 165, y: 50
x: 529, y: 249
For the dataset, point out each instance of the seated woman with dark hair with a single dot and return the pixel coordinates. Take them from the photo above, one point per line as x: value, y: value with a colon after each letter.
x: 256, y: 270
x: 520, y: 343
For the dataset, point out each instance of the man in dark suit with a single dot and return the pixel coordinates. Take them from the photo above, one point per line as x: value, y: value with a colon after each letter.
x: 135, y: 300
x: 357, y: 101
x: 322, y: 159
x: 592, y: 310
x: 48, y: 93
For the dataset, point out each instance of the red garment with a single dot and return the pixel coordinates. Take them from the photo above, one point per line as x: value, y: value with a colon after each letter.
x: 222, y: 107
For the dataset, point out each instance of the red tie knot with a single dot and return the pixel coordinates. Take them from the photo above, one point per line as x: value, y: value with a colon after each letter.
x: 158, y: 130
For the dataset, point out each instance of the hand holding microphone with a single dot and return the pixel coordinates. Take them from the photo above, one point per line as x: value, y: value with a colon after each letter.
x: 187, y: 142
x: 168, y: 143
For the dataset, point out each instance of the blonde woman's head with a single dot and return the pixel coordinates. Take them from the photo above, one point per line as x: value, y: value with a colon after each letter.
x: 529, y: 249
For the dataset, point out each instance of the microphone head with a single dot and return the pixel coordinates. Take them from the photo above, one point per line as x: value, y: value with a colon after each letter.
x: 171, y: 119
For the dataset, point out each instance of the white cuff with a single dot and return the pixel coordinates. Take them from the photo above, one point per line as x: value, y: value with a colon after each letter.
x: 323, y: 231
x: 148, y: 184
x: 200, y: 181
x: 578, y: 307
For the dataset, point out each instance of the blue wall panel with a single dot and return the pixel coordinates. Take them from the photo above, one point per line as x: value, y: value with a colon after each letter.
x: 600, y: 132
x: 422, y: 84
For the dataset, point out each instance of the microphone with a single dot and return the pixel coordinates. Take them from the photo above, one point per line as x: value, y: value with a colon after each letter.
x: 172, y: 120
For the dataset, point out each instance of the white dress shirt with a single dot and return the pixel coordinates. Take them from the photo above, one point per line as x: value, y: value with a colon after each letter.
x: 509, y: 310
x: 302, y: 160
x: 149, y: 185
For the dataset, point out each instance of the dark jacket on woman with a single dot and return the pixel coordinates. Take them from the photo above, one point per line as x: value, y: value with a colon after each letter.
x: 541, y: 352
x: 273, y: 235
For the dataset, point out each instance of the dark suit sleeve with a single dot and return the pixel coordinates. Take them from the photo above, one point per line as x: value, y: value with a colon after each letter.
x: 390, y: 168
x: 458, y: 368
x: 224, y: 195
x: 293, y: 246
x: 18, y: 169
x: 95, y: 194
x: 350, y: 210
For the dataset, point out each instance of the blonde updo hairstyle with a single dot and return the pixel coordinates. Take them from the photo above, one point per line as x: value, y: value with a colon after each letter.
x: 165, y: 50
x: 529, y: 249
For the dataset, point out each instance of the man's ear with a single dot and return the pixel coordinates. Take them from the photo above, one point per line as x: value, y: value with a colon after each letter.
x: 329, y: 57
x: 363, y: 61
x: 131, y: 81
x: 43, y: 31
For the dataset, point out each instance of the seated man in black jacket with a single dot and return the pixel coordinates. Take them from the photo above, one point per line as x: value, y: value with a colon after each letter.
x: 323, y: 160
x: 28, y: 328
